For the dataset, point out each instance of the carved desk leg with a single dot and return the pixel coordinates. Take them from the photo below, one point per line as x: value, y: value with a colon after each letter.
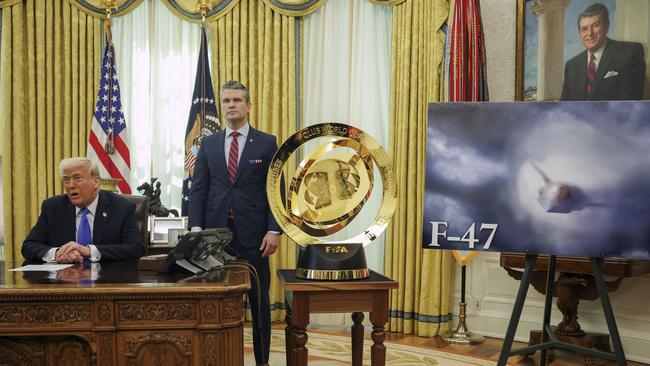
x: 357, y: 339
x: 288, y: 336
x: 379, y: 318
x: 299, y: 321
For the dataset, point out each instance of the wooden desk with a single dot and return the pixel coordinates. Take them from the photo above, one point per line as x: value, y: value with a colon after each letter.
x: 357, y: 296
x: 113, y: 314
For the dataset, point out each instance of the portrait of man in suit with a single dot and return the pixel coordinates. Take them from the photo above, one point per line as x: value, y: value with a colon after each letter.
x: 229, y: 190
x: 607, y: 69
x: 84, y: 223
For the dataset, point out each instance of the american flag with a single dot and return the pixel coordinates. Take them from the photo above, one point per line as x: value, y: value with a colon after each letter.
x: 107, y: 144
x: 203, y: 119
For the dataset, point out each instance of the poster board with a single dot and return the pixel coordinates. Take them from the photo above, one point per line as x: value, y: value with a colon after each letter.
x: 563, y: 178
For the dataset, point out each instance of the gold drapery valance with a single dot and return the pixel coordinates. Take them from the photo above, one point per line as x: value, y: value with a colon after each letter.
x: 186, y: 9
x: 387, y: 2
x: 97, y: 9
x: 294, y: 8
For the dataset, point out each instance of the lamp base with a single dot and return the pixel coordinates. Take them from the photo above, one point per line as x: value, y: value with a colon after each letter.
x: 462, y: 335
x: 334, y: 262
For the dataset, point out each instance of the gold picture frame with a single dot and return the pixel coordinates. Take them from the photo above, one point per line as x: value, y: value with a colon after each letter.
x: 519, y: 55
x: 556, y: 41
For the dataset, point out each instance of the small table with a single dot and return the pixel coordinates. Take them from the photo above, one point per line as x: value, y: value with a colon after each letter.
x: 356, y: 296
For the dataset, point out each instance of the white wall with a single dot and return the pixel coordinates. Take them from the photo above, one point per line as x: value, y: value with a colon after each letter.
x: 490, y: 291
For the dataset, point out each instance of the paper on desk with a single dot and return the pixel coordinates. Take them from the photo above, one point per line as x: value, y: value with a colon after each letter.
x: 48, y: 267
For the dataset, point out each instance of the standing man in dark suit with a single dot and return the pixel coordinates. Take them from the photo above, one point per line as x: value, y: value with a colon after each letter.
x: 84, y: 223
x: 607, y: 69
x: 229, y: 190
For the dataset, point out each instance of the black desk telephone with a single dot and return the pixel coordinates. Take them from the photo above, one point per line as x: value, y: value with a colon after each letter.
x: 198, y: 251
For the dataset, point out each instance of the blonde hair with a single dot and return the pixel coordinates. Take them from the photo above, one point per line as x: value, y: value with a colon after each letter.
x: 79, y: 161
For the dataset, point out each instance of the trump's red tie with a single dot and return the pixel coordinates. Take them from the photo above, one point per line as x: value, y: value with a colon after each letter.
x: 233, y: 156
x: 591, y: 73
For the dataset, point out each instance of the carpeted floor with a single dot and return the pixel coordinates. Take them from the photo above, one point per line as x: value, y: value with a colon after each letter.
x: 332, y: 350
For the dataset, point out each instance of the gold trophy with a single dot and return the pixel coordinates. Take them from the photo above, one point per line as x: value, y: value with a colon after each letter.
x: 327, y: 191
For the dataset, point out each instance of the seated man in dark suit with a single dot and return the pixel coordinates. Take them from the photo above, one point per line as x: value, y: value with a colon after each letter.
x: 607, y: 69
x: 83, y: 223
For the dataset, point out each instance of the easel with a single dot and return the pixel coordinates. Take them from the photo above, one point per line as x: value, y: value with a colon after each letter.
x: 549, y: 340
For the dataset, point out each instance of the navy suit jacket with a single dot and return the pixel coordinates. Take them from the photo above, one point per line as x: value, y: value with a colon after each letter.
x: 115, y: 233
x: 212, y: 192
x: 625, y: 64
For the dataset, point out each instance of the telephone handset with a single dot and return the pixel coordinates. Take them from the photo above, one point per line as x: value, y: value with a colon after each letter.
x: 199, y: 251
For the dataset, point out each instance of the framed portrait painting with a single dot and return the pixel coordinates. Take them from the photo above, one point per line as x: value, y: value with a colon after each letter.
x: 583, y: 50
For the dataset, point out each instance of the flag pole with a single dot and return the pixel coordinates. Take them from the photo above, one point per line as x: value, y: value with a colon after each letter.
x: 109, y: 6
x: 108, y: 183
x: 109, y: 146
x: 203, y: 7
x: 203, y: 119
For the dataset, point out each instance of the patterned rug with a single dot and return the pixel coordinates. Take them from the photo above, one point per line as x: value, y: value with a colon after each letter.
x: 331, y: 350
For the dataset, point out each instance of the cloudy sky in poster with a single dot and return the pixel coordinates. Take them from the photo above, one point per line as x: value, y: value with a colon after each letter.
x: 502, y: 163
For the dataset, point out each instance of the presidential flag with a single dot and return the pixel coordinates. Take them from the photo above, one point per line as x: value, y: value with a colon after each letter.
x: 107, y: 144
x: 203, y: 119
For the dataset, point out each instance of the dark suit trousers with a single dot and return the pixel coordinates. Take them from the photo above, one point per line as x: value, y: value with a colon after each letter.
x: 261, y: 313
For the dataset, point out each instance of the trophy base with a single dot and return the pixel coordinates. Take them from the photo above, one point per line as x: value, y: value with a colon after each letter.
x: 333, y: 262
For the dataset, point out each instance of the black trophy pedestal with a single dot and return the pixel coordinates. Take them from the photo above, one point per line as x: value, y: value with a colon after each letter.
x: 336, y: 262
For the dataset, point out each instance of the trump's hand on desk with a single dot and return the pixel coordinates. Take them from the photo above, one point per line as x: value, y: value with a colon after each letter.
x: 72, y: 252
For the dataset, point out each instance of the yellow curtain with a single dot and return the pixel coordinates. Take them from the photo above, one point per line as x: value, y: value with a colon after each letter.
x: 421, y: 303
x: 257, y: 46
x: 50, y: 61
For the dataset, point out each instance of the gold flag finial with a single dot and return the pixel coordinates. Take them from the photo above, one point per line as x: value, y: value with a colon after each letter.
x: 110, y: 5
x: 203, y: 7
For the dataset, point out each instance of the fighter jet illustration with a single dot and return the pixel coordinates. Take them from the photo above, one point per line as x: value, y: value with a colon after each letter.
x: 559, y: 197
